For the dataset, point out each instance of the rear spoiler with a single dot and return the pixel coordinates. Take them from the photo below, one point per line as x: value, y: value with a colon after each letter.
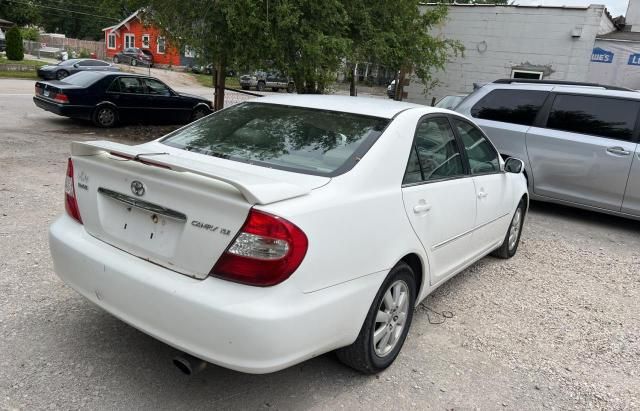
x: 256, y: 189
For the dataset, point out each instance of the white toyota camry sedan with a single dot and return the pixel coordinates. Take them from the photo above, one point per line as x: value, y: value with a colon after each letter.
x: 280, y: 229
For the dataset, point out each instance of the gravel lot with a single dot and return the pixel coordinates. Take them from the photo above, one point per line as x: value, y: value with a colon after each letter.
x: 557, y: 326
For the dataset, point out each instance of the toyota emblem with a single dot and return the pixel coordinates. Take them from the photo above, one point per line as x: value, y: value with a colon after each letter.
x: 137, y: 188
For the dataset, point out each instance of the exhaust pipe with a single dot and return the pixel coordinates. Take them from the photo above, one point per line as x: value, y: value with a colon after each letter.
x: 188, y: 364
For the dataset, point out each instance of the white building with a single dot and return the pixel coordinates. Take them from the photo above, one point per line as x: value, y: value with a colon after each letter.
x: 511, y: 41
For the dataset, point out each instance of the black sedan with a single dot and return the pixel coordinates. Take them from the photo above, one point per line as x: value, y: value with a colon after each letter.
x: 134, y: 56
x: 69, y: 67
x: 109, y: 98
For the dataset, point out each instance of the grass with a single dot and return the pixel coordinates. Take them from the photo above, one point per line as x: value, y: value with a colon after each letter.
x: 33, y: 63
x: 29, y: 75
x: 206, y: 80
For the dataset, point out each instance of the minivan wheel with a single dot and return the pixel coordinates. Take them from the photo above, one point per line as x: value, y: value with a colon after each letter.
x: 105, y: 116
x: 512, y: 238
x: 386, y: 325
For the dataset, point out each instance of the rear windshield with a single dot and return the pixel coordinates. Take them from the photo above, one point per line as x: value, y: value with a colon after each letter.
x: 82, y: 78
x: 304, y: 140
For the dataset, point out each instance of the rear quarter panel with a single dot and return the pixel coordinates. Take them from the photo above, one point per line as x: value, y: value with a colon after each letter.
x: 356, y: 224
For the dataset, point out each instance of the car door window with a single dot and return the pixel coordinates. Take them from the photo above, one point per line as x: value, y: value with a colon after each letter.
x: 85, y: 63
x: 435, y: 154
x: 131, y: 85
x: 510, y: 106
x: 483, y: 158
x: 599, y: 116
x: 156, y: 87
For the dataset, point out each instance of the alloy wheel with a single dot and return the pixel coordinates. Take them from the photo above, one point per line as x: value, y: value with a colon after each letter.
x: 106, y: 117
x: 390, y: 318
x: 514, y: 230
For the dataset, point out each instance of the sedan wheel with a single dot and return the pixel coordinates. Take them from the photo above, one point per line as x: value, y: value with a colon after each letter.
x: 199, y: 113
x: 387, y: 324
x: 62, y: 74
x: 105, y: 117
x: 134, y: 62
x: 391, y: 318
x: 116, y: 60
x: 512, y: 238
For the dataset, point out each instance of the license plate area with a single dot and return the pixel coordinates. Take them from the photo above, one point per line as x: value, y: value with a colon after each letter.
x: 140, y: 227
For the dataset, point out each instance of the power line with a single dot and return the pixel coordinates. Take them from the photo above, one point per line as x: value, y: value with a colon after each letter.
x: 65, y: 10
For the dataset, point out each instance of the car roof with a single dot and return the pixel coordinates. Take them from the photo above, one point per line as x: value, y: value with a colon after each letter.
x: 376, y: 107
x: 578, y: 88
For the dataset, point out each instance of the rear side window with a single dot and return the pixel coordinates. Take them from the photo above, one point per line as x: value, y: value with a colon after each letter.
x: 483, y: 158
x: 600, y: 116
x: 510, y: 106
x: 131, y: 85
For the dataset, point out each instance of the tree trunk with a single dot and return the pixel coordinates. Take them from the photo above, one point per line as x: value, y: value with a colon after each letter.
x: 400, y: 85
x: 219, y: 81
x: 353, y: 91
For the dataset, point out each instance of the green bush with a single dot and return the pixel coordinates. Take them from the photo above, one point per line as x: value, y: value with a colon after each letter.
x: 14, y: 44
x: 30, y: 33
x: 84, y: 54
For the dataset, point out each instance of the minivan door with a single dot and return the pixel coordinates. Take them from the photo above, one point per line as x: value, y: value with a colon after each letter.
x: 585, y: 152
x: 631, y: 202
x: 439, y: 198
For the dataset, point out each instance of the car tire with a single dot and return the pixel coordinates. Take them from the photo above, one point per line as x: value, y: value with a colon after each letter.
x: 116, y: 60
x: 512, y: 238
x: 275, y: 89
x: 105, y: 116
x: 62, y: 74
x: 291, y: 88
x: 246, y: 87
x: 368, y: 355
x: 261, y: 86
x: 199, y: 112
x: 134, y: 62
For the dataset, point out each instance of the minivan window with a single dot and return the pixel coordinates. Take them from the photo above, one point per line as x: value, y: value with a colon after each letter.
x: 510, y: 106
x: 299, y: 139
x: 599, y: 116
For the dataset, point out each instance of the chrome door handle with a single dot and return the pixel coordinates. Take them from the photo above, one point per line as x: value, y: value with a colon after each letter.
x: 482, y: 194
x: 618, y: 150
x: 421, y: 208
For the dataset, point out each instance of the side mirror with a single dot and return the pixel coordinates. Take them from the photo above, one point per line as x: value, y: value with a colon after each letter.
x: 514, y: 165
x: 76, y: 65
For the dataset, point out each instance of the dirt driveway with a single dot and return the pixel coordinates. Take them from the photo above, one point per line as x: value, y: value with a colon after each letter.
x: 557, y: 326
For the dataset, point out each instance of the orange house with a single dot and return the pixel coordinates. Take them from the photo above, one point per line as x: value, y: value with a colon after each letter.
x: 132, y: 32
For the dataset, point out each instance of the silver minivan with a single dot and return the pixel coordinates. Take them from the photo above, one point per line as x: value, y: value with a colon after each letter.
x: 579, y: 142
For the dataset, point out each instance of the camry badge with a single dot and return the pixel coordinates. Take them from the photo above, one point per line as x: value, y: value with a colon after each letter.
x: 137, y: 188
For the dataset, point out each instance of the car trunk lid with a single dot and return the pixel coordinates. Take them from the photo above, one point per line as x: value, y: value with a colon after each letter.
x: 167, y: 207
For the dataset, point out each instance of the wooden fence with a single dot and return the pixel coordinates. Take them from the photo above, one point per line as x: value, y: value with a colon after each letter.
x: 68, y: 44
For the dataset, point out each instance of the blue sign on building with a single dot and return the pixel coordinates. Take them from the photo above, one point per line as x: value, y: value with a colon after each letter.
x: 600, y: 55
x: 634, y: 60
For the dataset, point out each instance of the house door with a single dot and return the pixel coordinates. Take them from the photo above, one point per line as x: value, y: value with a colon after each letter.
x: 129, y: 40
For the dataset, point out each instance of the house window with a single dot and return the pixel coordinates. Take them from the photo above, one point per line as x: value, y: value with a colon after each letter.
x: 111, y: 41
x: 129, y: 40
x: 527, y: 74
x: 161, y: 45
x: 189, y: 52
x: 145, y: 41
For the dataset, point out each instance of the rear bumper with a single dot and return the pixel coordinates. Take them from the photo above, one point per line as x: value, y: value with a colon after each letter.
x: 66, y: 110
x: 249, y: 329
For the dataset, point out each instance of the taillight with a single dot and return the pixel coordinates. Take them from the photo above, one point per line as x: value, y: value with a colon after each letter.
x: 266, y: 251
x: 70, y: 200
x: 61, y: 98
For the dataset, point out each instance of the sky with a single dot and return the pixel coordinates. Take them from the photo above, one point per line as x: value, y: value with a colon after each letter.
x: 615, y: 7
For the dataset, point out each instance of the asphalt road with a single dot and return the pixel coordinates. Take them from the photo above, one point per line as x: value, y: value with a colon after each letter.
x: 557, y: 326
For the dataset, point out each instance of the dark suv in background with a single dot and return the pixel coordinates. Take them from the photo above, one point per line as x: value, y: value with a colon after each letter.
x: 134, y: 56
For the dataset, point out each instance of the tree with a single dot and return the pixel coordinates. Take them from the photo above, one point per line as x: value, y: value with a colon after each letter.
x: 14, y: 44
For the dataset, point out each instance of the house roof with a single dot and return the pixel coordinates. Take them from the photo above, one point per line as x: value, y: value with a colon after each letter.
x: 620, y: 36
x: 123, y: 22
